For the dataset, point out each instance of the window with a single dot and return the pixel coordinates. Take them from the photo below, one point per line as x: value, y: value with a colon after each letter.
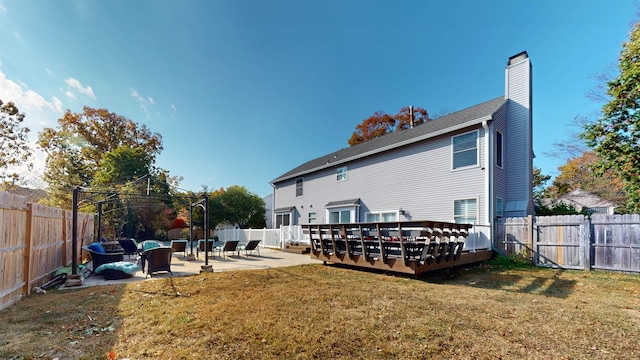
x: 465, y: 149
x: 381, y: 216
x: 339, y: 216
x: 499, y: 207
x: 283, y: 220
x: 341, y: 174
x: 499, y: 147
x: 312, y: 218
x: 299, y: 187
x: 465, y: 211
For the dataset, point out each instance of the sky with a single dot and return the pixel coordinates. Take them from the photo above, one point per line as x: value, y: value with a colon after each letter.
x: 243, y: 91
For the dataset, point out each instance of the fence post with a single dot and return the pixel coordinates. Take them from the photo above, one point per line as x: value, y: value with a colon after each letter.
x: 27, y: 250
x: 586, y: 242
x: 533, y: 237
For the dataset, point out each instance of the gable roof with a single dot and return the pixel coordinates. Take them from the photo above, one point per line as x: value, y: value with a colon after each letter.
x: 458, y: 120
x: 586, y: 199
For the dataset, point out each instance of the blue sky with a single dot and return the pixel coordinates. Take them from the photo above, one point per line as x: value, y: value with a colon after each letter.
x: 243, y: 91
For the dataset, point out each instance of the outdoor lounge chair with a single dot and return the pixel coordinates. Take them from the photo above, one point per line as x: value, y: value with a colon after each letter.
x: 100, y: 256
x: 229, y: 246
x: 129, y: 246
x: 252, y: 245
x: 157, y: 259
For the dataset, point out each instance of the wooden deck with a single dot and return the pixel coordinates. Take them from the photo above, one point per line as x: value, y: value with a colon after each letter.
x: 410, y: 247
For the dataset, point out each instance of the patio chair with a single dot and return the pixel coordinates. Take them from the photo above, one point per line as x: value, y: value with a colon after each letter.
x: 100, y: 256
x: 229, y: 246
x: 157, y: 259
x: 179, y: 246
x: 129, y: 246
x: 200, y: 248
x: 252, y: 245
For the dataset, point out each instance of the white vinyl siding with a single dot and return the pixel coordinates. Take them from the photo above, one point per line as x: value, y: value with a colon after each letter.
x: 341, y: 174
x: 465, y: 211
x: 465, y: 150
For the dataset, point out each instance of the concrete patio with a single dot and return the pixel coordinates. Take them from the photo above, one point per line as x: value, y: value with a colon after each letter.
x: 180, y: 266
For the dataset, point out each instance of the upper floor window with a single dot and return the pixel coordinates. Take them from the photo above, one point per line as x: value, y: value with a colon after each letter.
x: 499, y: 149
x: 465, y: 149
x: 341, y: 173
x: 299, y: 187
x: 465, y: 211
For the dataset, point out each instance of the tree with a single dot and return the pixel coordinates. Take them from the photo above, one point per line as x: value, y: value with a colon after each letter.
x: 615, y: 137
x: 14, y: 149
x: 122, y: 164
x: 579, y: 173
x: 381, y: 123
x: 539, y: 182
x: 76, y: 147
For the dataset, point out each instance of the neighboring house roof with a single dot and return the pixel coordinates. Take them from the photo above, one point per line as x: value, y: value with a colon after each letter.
x: 458, y: 120
x: 284, y: 209
x: 587, y: 199
x: 580, y: 199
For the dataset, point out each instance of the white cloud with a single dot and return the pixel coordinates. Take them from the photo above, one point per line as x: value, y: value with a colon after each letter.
x: 135, y: 94
x: 69, y: 94
x: 2, y: 8
x: 151, y: 100
x: 73, y: 83
x: 17, y: 35
x: 173, y: 107
x: 25, y: 99
x: 40, y: 113
x: 48, y: 71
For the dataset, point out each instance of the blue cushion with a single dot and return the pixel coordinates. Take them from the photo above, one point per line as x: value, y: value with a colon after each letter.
x: 97, y: 247
x: 124, y: 266
x: 150, y: 244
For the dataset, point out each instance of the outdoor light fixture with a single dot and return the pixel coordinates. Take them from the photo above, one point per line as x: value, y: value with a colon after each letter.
x: 401, y: 212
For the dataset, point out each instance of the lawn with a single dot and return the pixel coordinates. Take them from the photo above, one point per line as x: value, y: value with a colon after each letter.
x: 329, y: 312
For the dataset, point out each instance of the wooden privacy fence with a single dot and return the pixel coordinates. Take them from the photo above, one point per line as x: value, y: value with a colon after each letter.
x: 35, y: 241
x: 610, y: 242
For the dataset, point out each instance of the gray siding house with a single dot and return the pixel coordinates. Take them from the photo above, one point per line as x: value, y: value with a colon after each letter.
x: 471, y: 166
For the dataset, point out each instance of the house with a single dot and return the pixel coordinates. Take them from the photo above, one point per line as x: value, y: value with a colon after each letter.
x: 471, y: 166
x: 581, y: 199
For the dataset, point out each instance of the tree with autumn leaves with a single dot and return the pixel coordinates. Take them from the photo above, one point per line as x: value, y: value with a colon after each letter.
x: 14, y: 148
x: 615, y: 136
x: 381, y: 123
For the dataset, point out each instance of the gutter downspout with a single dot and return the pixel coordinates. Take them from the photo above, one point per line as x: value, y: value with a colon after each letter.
x: 488, y: 176
x: 273, y: 206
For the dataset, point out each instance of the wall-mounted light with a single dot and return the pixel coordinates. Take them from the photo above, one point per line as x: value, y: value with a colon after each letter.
x: 310, y: 205
x: 401, y: 212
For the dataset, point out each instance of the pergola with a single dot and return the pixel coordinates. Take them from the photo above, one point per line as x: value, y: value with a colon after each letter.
x: 101, y: 197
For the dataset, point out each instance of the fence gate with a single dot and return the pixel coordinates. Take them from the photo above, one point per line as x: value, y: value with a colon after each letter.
x: 561, y: 242
x: 513, y: 236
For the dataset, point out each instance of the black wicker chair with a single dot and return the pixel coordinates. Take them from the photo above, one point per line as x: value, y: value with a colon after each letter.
x: 157, y: 259
x: 98, y: 258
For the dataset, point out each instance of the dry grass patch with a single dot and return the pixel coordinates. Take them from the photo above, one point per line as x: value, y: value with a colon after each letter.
x: 325, y: 312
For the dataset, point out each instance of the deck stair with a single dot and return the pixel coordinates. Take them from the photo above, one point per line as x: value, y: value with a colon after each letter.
x: 297, y: 248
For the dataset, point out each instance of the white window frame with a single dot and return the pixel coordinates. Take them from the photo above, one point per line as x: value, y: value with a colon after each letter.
x: 301, y: 187
x: 476, y: 149
x: 465, y: 216
x: 283, y: 214
x: 499, y: 149
x: 340, y: 211
x: 380, y: 215
x: 341, y: 173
